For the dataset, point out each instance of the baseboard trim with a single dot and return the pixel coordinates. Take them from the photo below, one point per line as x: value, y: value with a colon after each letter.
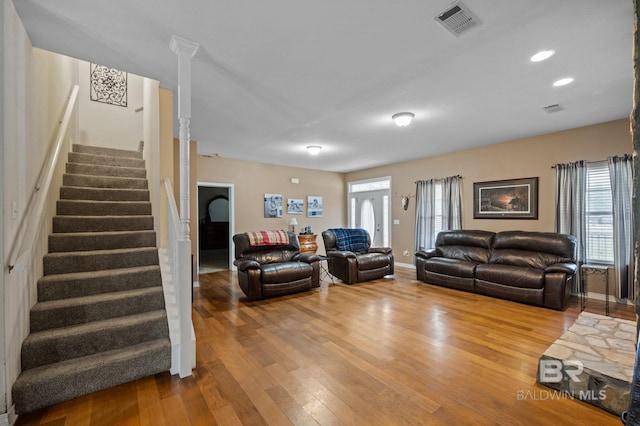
x: 602, y: 298
x: 9, y: 418
x: 405, y: 265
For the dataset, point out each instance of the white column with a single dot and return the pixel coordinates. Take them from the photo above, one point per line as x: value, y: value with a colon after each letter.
x: 185, y: 50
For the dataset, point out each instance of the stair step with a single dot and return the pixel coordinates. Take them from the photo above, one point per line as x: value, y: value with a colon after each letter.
x: 105, y: 160
x: 100, y: 320
x: 52, y: 346
x: 66, y: 224
x: 100, y: 170
x: 84, y: 261
x: 102, y: 208
x: 103, y: 194
x: 86, y: 241
x: 80, y: 310
x: 51, y: 384
x: 104, y: 182
x: 111, y: 152
x: 80, y: 284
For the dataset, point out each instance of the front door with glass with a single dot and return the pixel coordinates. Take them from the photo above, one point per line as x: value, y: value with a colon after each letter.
x: 370, y: 210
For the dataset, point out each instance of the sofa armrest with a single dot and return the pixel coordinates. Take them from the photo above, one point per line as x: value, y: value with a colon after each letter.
x: 341, y: 254
x: 244, y: 265
x: 427, y: 254
x: 567, y: 268
x: 306, y: 257
x: 383, y: 250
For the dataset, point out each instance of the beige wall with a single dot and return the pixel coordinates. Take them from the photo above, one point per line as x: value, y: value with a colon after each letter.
x: 151, y: 138
x: 521, y: 158
x: 96, y: 129
x: 35, y: 87
x: 252, y: 180
x: 165, y: 158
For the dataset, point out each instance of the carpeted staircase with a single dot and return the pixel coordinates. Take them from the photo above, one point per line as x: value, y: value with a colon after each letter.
x: 100, y: 319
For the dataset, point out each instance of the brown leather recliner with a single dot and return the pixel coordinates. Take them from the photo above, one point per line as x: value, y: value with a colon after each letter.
x: 274, y: 270
x: 354, y: 265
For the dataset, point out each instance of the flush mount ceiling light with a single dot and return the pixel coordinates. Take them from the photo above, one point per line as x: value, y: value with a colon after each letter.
x: 563, y: 82
x: 542, y: 55
x: 314, y: 149
x: 403, y: 118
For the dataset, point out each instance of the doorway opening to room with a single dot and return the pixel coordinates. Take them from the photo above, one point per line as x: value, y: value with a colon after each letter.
x: 369, y: 208
x: 215, y: 227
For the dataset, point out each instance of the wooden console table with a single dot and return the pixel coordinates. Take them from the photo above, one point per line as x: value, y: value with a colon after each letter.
x: 307, y: 243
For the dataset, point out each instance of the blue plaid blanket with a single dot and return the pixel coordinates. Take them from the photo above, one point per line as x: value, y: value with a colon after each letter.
x: 352, y: 239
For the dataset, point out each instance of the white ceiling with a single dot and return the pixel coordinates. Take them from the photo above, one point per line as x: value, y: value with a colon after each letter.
x: 272, y: 77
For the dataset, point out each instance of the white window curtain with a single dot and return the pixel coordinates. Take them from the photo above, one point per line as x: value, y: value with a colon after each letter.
x: 452, y: 203
x: 571, y: 183
x: 425, y: 229
x: 621, y: 175
x: 425, y: 214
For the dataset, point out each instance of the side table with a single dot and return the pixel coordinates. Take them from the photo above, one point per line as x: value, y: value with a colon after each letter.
x: 593, y: 270
x: 324, y: 270
x: 307, y: 243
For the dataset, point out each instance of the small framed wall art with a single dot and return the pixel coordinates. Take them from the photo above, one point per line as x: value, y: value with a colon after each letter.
x: 272, y: 205
x: 314, y: 206
x: 108, y: 85
x: 295, y: 206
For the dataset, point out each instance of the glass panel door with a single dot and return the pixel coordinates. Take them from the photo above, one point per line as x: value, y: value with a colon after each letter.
x: 372, y: 213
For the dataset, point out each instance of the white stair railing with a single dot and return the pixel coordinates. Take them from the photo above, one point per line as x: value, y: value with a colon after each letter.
x: 30, y: 224
x: 179, y: 261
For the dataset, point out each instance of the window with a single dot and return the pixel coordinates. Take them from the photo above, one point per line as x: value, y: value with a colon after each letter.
x: 370, y: 185
x: 437, y: 209
x: 599, y: 214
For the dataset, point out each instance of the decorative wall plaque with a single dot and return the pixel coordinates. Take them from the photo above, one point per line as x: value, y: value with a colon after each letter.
x: 108, y: 85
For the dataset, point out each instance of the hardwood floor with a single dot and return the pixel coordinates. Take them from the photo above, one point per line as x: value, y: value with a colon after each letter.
x: 386, y: 352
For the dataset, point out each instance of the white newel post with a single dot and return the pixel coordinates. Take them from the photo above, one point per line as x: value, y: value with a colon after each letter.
x: 185, y: 50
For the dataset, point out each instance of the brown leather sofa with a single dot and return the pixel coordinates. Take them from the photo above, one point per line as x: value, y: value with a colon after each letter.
x: 538, y: 268
x: 274, y: 270
x: 354, y: 265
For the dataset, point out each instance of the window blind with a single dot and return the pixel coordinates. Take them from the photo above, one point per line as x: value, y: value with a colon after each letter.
x: 599, y: 214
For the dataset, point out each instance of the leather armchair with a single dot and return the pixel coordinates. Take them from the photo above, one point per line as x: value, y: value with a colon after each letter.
x: 274, y: 270
x: 356, y: 266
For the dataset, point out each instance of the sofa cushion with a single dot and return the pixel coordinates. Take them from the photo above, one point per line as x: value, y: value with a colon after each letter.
x: 368, y: 261
x: 535, y: 249
x: 471, y: 254
x: 455, y: 267
x: 515, y: 276
x: 471, y: 245
x: 525, y: 258
x: 285, y: 272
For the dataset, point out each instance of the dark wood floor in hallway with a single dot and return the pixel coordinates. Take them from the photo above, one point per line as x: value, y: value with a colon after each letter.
x: 386, y: 352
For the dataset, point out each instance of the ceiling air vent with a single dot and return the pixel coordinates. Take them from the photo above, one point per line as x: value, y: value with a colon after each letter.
x: 457, y: 19
x: 554, y: 108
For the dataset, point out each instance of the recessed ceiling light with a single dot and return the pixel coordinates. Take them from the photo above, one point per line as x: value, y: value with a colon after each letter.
x: 542, y: 55
x: 314, y: 149
x: 563, y: 82
x: 403, y: 118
